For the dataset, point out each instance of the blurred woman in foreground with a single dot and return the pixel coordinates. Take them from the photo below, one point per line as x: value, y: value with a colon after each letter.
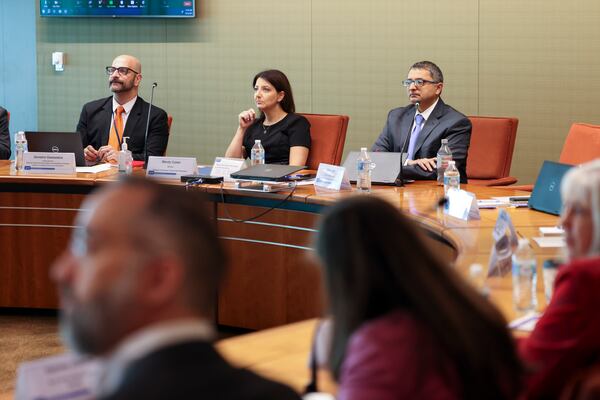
x: 405, y: 325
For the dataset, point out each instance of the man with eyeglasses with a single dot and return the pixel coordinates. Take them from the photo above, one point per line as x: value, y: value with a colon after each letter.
x: 137, y: 288
x: 427, y: 120
x: 103, y: 123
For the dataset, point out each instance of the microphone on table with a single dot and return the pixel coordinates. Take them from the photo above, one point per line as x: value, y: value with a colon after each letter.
x: 154, y: 85
x: 442, y: 201
x: 400, y: 178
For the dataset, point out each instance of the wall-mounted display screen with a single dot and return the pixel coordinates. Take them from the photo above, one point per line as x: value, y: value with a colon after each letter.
x: 118, y: 8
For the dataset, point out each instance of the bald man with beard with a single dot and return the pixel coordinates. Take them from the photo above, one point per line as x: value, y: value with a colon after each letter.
x: 103, y: 123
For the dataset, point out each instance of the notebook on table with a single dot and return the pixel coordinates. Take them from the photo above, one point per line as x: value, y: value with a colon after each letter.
x: 267, y: 172
x: 387, y: 166
x: 546, y: 192
x: 57, y: 142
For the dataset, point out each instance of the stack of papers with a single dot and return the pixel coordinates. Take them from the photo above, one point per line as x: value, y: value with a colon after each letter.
x: 95, y: 169
x: 551, y: 231
x: 550, y: 241
x: 552, y: 236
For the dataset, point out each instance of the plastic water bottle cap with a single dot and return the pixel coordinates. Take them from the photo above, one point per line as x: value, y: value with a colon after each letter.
x: 257, y: 141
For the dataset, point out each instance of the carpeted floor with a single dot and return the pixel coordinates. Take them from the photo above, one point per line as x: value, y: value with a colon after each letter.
x: 24, y: 336
x: 30, y: 334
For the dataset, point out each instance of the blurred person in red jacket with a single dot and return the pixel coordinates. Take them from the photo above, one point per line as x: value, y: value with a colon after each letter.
x: 566, y: 339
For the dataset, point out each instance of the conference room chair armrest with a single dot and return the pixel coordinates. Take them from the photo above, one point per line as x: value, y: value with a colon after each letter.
x: 504, y: 181
x: 526, y: 188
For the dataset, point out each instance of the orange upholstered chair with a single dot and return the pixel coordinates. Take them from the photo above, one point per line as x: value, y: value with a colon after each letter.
x: 327, y: 136
x: 581, y: 145
x: 491, y: 151
x: 169, y: 122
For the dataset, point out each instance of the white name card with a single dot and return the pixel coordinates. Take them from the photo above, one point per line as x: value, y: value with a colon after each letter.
x: 462, y: 204
x: 225, y: 166
x: 65, y: 376
x: 332, y: 177
x: 171, y: 167
x: 48, y: 163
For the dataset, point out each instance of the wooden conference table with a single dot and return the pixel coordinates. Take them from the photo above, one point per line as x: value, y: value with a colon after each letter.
x: 274, y: 278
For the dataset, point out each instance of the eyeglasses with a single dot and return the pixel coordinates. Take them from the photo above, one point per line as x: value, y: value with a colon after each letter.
x: 121, y: 70
x: 417, y: 82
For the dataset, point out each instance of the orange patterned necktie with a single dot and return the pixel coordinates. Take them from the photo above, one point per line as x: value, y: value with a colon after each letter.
x: 116, y: 130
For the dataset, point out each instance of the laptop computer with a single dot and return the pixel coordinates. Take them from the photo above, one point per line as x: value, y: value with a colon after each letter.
x: 546, y: 192
x: 267, y: 172
x: 57, y: 142
x: 387, y: 166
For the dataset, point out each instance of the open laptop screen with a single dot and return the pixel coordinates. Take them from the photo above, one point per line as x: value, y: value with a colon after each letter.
x: 546, y: 192
x: 57, y: 142
x: 387, y: 166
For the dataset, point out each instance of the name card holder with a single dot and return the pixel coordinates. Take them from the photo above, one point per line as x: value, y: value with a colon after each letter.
x: 462, y: 205
x: 64, y: 376
x: 332, y: 177
x: 171, y: 167
x: 225, y: 166
x: 505, y: 240
x: 49, y: 163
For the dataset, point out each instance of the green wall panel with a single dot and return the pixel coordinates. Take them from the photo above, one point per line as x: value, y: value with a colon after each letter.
x: 532, y: 60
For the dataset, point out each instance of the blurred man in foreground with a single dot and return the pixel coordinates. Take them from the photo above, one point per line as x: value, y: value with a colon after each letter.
x: 138, y: 286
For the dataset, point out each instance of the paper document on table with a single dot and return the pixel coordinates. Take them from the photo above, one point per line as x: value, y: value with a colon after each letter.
x: 305, y: 182
x: 95, y: 168
x: 490, y: 203
x: 551, y: 231
x: 550, y: 241
x: 525, y: 323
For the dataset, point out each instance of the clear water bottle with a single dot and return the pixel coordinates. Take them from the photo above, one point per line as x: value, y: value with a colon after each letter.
x: 524, y: 277
x: 125, y: 158
x: 443, y: 156
x: 363, y: 169
x: 451, y: 177
x: 20, y: 149
x: 257, y: 154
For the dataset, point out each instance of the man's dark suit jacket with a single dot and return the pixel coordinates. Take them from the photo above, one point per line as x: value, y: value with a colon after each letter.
x: 194, y: 370
x: 4, y: 135
x: 444, y: 122
x: 94, y: 127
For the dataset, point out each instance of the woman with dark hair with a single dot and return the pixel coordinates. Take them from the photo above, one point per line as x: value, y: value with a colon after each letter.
x: 565, y: 343
x: 284, y: 135
x: 405, y: 325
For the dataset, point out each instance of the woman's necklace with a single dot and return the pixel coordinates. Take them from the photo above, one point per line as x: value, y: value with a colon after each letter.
x: 266, y: 128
